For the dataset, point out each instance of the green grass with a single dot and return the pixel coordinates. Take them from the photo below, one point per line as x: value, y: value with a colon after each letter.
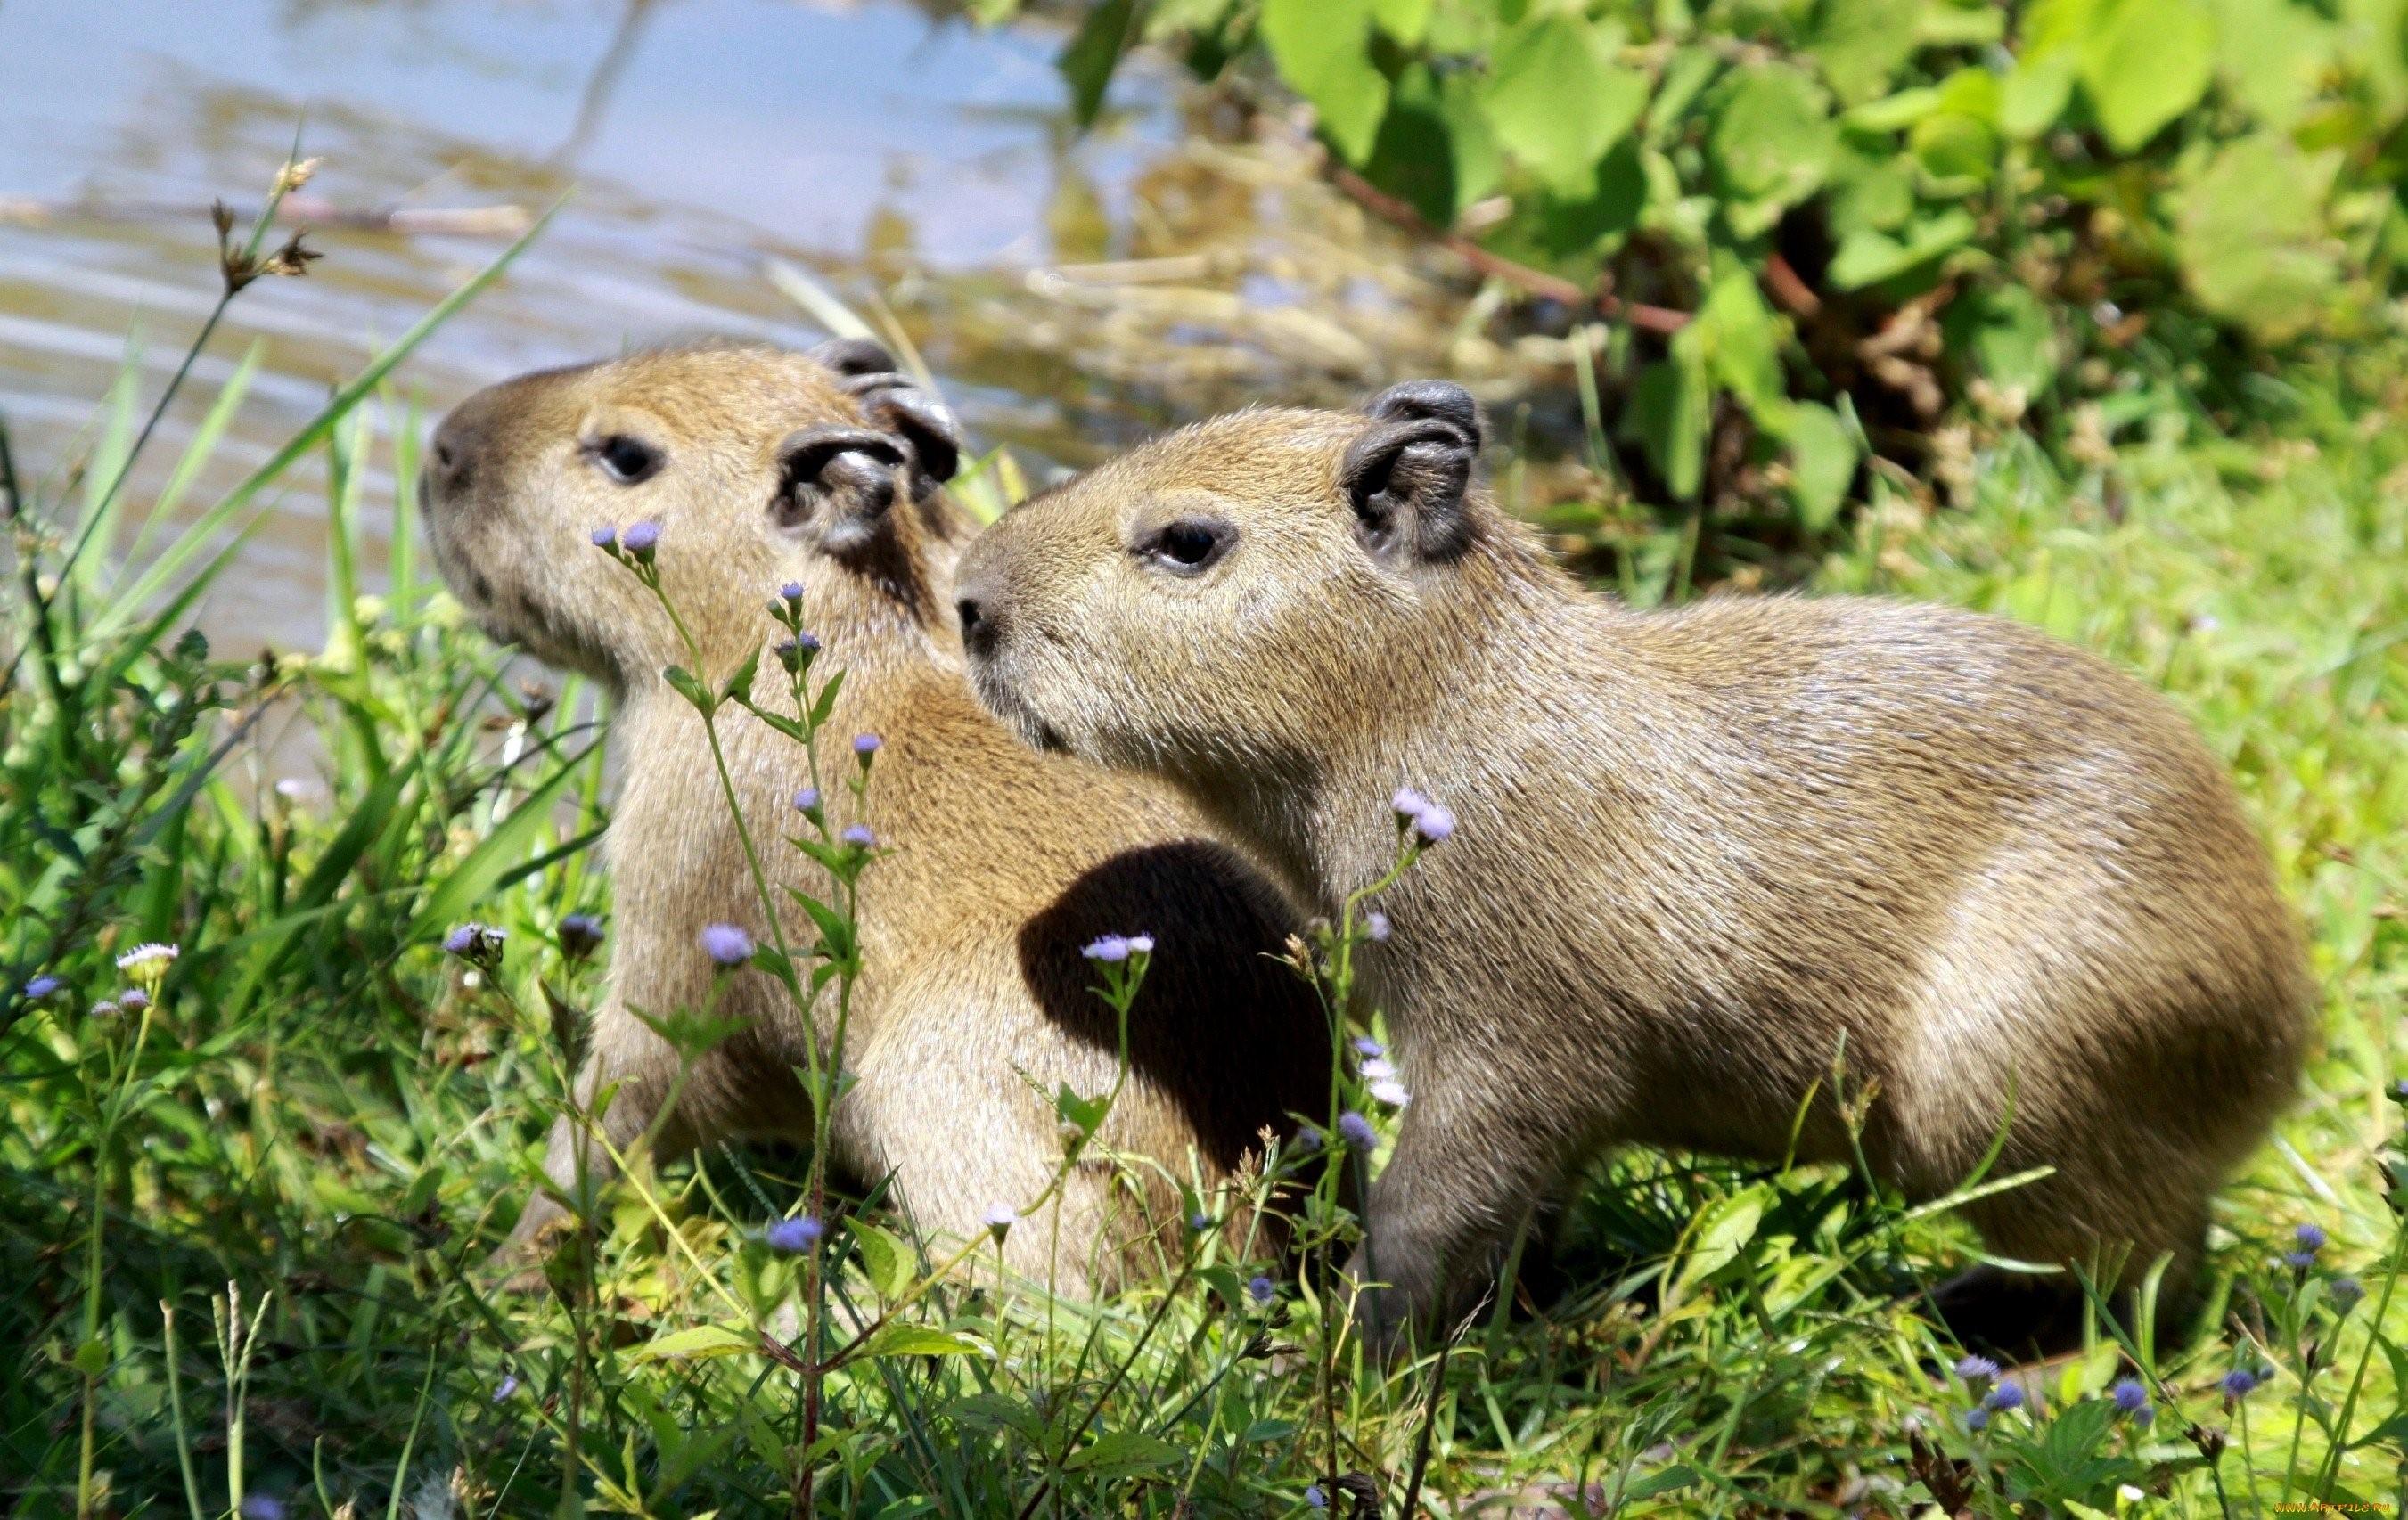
x: 307, y: 1146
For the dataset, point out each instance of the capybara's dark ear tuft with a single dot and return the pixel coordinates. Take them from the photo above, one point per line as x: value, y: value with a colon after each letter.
x: 1434, y: 400
x: 851, y: 357
x: 1407, y: 476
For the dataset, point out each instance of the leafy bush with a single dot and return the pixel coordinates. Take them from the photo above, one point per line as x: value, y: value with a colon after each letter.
x: 1820, y: 221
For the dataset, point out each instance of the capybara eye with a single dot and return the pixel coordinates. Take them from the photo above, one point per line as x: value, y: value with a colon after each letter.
x: 1191, y: 544
x: 627, y: 460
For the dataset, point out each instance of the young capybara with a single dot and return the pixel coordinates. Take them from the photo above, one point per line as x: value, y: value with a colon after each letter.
x: 1703, y: 858
x: 759, y: 469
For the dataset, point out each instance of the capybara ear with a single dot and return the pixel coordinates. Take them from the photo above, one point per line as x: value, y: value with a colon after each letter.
x: 841, y: 478
x: 1407, y: 476
x: 854, y: 357
x: 891, y: 400
x: 925, y: 424
x: 1433, y: 399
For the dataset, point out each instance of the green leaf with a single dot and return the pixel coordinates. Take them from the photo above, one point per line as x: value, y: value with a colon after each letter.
x: 1121, y: 1453
x: 1093, y: 52
x: 1724, y: 1227
x: 1406, y: 20
x: 2250, y: 236
x: 1323, y: 49
x: 698, y: 1342
x: 1771, y: 145
x: 1861, y: 44
x: 1866, y: 257
x: 1822, y: 462
x: 681, y: 681
x: 888, y: 1263
x: 1557, y: 101
x: 739, y: 686
x: 1741, y: 338
x: 2003, y: 333
x: 2036, y: 94
x: 898, y: 1339
x: 1671, y: 405
x: 2144, y: 62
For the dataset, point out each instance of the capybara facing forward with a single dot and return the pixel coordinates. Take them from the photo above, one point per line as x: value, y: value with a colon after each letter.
x: 759, y: 469
x: 1704, y: 857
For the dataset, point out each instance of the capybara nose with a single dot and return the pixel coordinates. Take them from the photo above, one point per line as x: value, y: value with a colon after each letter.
x: 451, y: 457
x: 978, y: 601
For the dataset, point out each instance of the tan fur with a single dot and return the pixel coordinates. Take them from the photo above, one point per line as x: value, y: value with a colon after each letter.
x: 1705, y: 854
x: 1001, y: 863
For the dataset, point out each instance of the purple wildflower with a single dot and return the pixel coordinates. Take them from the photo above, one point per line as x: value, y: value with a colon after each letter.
x: 1141, y: 944
x: 1314, y: 1498
x: 133, y: 999
x: 1378, y: 1068
x: 859, y: 836
x: 1356, y: 1130
x: 726, y: 944
x: 999, y: 1219
x: 2239, y: 1383
x: 1366, y: 1046
x: 807, y: 799
x: 2299, y: 1261
x: 1260, y: 1290
x: 2344, y: 1292
x: 789, y: 652
x: 1376, y: 926
x: 641, y: 538
x: 41, y: 987
x: 508, y: 1385
x: 2131, y: 1397
x: 1112, y: 947
x: 1976, y: 1368
x: 1434, y: 823
x: 865, y: 745
x: 1392, y: 1092
x: 261, y: 1507
x: 606, y: 537
x: 2006, y: 1395
x: 581, y: 934
x: 1408, y: 804
x: 2312, y: 1238
x: 1199, y: 1221
x: 1976, y: 1419
x: 793, y: 592
x: 1308, y: 1139
x: 794, y: 1236
x: 478, y: 944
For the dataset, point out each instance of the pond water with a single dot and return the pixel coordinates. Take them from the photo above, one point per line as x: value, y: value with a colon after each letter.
x: 1072, y: 290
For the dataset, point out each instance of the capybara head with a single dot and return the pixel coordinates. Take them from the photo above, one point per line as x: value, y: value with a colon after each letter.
x: 1216, y: 599
x: 756, y: 467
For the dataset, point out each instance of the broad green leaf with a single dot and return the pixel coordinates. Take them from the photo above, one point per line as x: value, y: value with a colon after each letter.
x: 899, y: 1339
x: 1413, y: 157
x: 888, y: 1263
x: 2005, y: 335
x: 1861, y: 44
x: 2274, y: 57
x: 699, y: 1341
x: 2144, y: 62
x: 2036, y: 94
x: 1741, y: 338
x: 1866, y: 258
x: 1323, y: 49
x: 2249, y: 234
x: 1121, y: 1454
x: 1822, y: 462
x: 1771, y: 145
x: 1406, y: 20
x: 1671, y: 404
x: 1871, y: 191
x: 1557, y: 100
x: 1724, y: 1227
